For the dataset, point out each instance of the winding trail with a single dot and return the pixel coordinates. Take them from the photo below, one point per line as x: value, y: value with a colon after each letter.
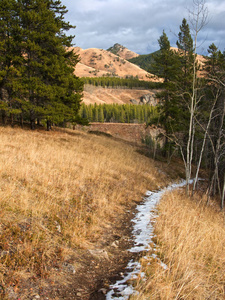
x: 142, y: 236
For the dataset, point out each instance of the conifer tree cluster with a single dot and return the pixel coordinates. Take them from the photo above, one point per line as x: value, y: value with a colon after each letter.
x: 115, y: 82
x: 192, y: 106
x: 37, y: 81
x: 115, y: 113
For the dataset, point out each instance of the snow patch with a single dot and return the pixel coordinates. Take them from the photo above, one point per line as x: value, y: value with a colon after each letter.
x: 142, y: 237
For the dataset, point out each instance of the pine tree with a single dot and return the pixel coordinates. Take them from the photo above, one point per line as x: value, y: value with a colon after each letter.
x: 186, y: 54
x: 185, y: 43
x: 100, y: 114
x: 9, y: 56
x: 167, y: 66
x: 47, y: 83
x: 95, y: 113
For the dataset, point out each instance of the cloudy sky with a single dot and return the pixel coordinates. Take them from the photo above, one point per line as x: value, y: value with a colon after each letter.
x: 137, y: 24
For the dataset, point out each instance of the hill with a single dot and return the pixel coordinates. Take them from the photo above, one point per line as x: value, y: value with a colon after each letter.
x: 111, y: 95
x: 113, y: 63
x: 67, y: 200
x: 64, y: 198
x: 98, y: 62
x: 122, y: 51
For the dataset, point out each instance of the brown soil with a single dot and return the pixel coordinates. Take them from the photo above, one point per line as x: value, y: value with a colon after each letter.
x: 102, y: 95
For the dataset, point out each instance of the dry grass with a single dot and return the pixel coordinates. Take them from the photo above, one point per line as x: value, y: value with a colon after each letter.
x: 191, y: 240
x: 103, y: 62
x: 59, y: 191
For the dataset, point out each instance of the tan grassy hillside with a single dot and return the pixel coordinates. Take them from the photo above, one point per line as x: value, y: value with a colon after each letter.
x: 103, y: 61
x: 83, y: 70
x: 102, y: 95
x: 97, y: 63
x: 59, y: 192
x: 191, y: 242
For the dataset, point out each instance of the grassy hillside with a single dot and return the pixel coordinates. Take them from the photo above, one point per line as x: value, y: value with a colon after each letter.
x: 59, y: 192
x: 190, y: 241
x: 66, y: 193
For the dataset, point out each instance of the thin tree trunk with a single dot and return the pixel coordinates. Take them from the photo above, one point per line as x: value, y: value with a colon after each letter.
x: 32, y: 121
x: 3, y: 117
x: 21, y: 120
x: 11, y: 119
x: 203, y: 146
x: 223, y: 193
x: 199, y: 16
x: 188, y: 157
x: 191, y: 124
x: 48, y: 125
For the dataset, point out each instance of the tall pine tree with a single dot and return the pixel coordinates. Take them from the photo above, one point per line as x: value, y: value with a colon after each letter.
x: 37, y: 77
x: 9, y: 55
x: 167, y: 66
x: 52, y: 90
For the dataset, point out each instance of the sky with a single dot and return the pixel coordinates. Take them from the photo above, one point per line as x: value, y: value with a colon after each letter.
x: 138, y: 24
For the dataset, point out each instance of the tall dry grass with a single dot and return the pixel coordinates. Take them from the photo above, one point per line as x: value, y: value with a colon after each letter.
x: 59, y: 191
x: 191, y: 241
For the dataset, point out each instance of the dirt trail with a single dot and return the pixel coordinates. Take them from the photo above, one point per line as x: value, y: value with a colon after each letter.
x: 96, y: 268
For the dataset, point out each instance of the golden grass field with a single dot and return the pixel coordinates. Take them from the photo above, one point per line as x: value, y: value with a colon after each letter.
x: 191, y: 242
x: 61, y: 190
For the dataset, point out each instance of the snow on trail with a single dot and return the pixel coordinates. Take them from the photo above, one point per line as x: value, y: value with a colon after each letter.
x: 142, y: 236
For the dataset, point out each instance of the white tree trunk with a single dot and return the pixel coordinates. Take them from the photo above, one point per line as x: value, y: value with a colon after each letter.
x: 203, y: 145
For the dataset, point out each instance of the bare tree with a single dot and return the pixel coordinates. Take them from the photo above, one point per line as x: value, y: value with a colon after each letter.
x: 198, y: 19
x: 206, y: 132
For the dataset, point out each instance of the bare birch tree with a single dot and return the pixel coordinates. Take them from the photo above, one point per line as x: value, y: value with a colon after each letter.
x: 198, y: 19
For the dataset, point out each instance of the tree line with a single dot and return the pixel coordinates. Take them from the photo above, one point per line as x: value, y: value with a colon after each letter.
x: 144, y: 61
x: 114, y: 82
x: 192, y: 103
x: 37, y: 81
x: 117, y: 113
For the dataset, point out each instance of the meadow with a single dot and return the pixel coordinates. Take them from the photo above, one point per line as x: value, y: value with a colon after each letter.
x: 62, y: 192
x: 190, y: 241
x: 59, y: 192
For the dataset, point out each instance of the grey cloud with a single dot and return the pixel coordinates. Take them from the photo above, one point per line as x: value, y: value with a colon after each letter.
x: 138, y: 24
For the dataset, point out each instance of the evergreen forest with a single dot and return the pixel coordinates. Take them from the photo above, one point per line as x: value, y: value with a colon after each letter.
x: 117, y: 82
x: 144, y: 61
x: 117, y: 113
x: 37, y: 83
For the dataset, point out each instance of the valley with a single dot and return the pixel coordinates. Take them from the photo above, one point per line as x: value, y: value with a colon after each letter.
x: 99, y: 63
